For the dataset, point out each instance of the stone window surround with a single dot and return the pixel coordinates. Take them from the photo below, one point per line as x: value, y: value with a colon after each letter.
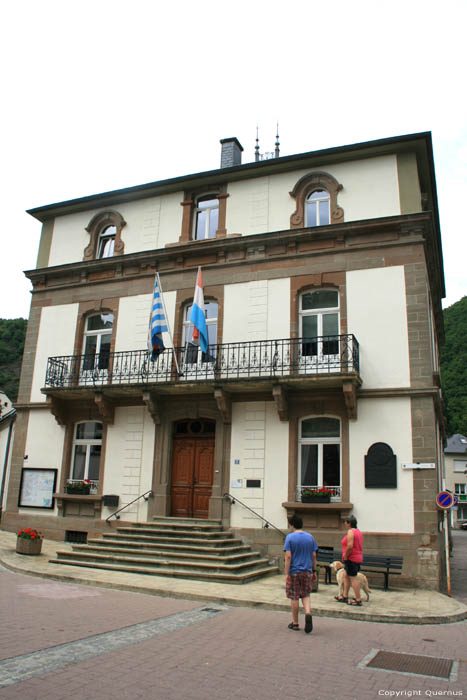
x: 310, y: 183
x: 85, y: 442
x: 304, y: 408
x: 77, y: 415
x: 311, y: 283
x: 184, y: 297
x: 94, y: 308
x: 99, y: 223
x: 189, y: 207
x: 319, y: 441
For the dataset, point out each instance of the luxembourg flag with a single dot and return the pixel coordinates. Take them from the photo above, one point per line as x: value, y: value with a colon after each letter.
x: 198, y: 317
x: 157, y: 323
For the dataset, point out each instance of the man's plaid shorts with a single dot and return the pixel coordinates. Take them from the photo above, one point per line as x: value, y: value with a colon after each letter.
x: 298, y: 585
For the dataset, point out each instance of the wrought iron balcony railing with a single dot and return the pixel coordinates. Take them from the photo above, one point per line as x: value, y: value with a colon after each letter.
x: 335, y: 354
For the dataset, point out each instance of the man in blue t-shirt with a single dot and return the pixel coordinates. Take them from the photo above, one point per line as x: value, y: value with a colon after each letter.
x: 300, y: 570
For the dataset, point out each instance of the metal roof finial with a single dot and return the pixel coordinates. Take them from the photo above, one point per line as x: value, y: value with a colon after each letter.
x: 257, y: 145
x: 276, y: 152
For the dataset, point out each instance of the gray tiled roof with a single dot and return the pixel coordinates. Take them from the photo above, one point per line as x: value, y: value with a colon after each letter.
x: 456, y: 444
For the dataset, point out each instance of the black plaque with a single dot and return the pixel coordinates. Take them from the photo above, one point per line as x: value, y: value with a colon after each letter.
x: 380, y: 467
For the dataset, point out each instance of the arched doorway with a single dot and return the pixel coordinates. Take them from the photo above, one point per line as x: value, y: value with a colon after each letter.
x: 192, y: 467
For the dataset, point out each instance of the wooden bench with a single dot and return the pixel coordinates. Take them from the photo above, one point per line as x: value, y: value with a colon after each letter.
x: 382, y: 564
x: 324, y: 558
x: 372, y: 563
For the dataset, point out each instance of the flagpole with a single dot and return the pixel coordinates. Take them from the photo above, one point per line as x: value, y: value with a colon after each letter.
x: 168, y: 324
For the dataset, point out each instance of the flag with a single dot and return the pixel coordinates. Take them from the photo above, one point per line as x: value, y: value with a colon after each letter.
x: 198, y: 317
x: 157, y: 323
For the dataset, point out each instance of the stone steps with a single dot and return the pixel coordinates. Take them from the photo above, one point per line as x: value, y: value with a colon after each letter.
x: 245, y: 577
x: 168, y: 554
x: 176, y: 547
x: 235, y: 546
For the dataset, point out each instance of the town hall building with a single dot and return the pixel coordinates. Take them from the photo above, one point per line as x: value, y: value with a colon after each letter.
x: 322, y: 277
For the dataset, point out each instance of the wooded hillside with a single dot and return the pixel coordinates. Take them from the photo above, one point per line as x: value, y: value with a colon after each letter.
x: 454, y: 367
x: 12, y: 334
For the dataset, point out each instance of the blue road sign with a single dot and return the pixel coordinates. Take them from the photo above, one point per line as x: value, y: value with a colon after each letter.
x: 444, y: 500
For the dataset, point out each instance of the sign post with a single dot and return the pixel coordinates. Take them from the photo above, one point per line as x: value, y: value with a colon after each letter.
x: 445, y: 501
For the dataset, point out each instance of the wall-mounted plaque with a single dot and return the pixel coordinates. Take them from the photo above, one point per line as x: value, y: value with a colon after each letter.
x: 380, y: 467
x: 37, y: 488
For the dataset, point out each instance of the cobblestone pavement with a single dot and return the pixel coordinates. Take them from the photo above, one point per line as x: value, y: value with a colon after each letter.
x: 62, y: 641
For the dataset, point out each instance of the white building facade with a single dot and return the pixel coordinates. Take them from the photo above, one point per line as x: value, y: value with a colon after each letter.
x: 323, y: 280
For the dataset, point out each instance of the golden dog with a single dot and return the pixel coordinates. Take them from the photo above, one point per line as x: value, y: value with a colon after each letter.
x: 338, y: 568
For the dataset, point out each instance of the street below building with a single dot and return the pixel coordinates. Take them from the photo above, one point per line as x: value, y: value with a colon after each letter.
x: 62, y: 640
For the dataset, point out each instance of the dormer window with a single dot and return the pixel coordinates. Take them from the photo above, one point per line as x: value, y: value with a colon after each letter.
x: 206, y: 217
x: 316, y: 204
x: 105, y: 232
x: 318, y: 208
x: 106, y: 244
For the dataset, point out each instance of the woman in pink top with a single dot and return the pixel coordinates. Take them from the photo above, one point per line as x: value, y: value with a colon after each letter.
x: 352, y: 556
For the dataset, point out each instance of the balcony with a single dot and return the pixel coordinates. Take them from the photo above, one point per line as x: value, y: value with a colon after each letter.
x: 291, y: 364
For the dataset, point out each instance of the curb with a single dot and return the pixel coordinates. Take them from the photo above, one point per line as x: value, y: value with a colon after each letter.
x: 234, y: 602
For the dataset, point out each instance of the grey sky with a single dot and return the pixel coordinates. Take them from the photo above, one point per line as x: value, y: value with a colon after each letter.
x: 107, y: 94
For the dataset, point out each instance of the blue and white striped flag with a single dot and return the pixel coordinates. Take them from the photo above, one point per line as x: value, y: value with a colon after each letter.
x: 157, y: 323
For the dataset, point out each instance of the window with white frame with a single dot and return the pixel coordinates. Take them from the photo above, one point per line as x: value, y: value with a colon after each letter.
x: 461, y: 512
x: 319, y: 322
x: 318, y: 208
x: 211, y: 309
x: 106, y: 242
x: 97, y: 339
x: 320, y: 453
x: 460, y: 465
x: 206, y: 218
x: 87, y: 445
x: 460, y: 490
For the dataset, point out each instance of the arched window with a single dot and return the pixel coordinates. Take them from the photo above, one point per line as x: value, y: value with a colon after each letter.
x: 206, y: 219
x: 87, y: 445
x: 320, y: 454
x: 319, y: 323
x: 316, y: 204
x: 97, y: 339
x: 106, y: 243
x: 105, y: 231
x: 318, y: 208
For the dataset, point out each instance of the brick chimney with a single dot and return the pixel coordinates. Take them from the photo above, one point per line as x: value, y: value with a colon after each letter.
x: 231, y: 153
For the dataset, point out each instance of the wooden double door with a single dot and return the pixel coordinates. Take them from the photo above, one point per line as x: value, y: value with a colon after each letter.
x: 192, y: 475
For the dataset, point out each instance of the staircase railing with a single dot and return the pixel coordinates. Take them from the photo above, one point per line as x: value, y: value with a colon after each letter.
x: 146, y: 497
x: 267, y: 523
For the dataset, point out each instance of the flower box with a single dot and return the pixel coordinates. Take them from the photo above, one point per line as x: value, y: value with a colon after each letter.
x: 28, y: 541
x: 83, y: 491
x: 79, y: 488
x: 317, y: 495
x: 316, y: 499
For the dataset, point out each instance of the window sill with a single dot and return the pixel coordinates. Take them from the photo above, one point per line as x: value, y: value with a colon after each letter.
x: 194, y: 241
x: 94, y: 497
x: 304, y: 507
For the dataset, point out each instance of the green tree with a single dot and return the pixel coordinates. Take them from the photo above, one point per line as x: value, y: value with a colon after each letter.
x: 12, y: 335
x: 453, y: 359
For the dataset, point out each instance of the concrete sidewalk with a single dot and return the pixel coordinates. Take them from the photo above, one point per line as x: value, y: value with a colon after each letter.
x: 397, y: 606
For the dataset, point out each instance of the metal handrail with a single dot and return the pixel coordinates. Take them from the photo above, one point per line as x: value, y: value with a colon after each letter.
x: 234, y: 499
x: 117, y: 517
